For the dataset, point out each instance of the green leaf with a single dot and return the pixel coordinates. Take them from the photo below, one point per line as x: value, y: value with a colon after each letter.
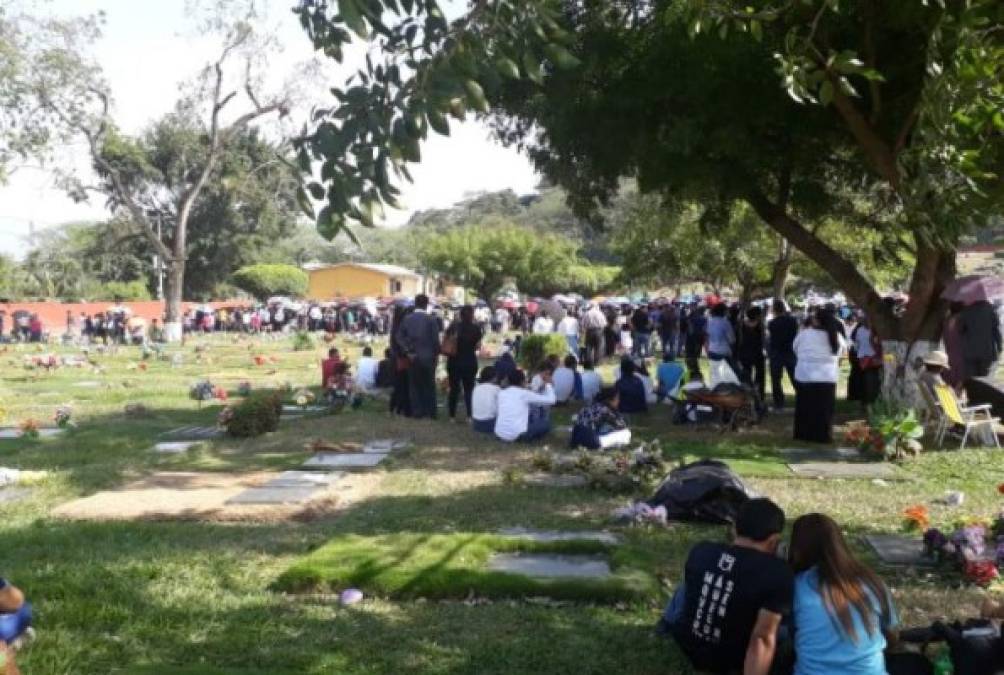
x: 303, y: 200
x: 329, y: 223
x: 316, y: 191
x: 532, y: 68
x: 352, y: 15
x: 561, y: 57
x: 508, y: 68
x: 476, y: 95
x: 438, y: 122
x: 826, y: 93
x: 458, y: 109
x: 756, y: 30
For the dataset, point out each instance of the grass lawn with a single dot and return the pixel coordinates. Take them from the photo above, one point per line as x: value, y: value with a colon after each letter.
x: 198, y: 597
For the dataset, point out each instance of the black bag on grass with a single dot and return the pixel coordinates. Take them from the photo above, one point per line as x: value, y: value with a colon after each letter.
x: 706, y: 491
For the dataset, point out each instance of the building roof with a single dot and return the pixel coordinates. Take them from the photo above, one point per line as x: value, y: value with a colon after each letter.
x: 389, y: 270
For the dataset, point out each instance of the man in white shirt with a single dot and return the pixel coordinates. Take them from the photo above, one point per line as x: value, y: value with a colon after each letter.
x: 593, y: 322
x: 569, y: 327
x: 564, y: 380
x: 314, y: 315
x: 591, y: 382
x: 513, y: 422
x: 485, y: 402
x: 366, y: 371
x: 543, y: 324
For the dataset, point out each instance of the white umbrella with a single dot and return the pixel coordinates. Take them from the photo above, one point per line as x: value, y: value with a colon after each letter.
x: 553, y: 309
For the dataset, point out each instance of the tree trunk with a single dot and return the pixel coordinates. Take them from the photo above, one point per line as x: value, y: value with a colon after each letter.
x: 173, y: 287
x: 781, y: 268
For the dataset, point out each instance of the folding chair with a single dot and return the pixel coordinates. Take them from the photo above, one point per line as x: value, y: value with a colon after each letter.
x: 968, y: 418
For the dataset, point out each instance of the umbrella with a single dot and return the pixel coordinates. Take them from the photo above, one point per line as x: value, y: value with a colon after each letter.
x: 532, y: 307
x: 972, y: 289
x: 553, y: 309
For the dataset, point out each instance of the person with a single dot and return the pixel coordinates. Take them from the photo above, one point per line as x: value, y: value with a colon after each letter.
x: 15, y: 621
x: 505, y: 364
x: 752, y: 339
x: 641, y: 326
x: 842, y: 612
x: 420, y: 338
x: 726, y: 614
x: 543, y: 324
x: 328, y: 366
x: 641, y: 372
x: 366, y: 371
x: 593, y: 322
x: 462, y: 365
x: 569, y: 327
x: 599, y: 425
x: 630, y: 389
x: 591, y: 381
x: 669, y: 376
x: 385, y: 371
x: 485, y: 402
x: 866, y: 364
x: 697, y: 327
x: 722, y: 338
x: 818, y: 348
x: 669, y: 328
x: 936, y: 365
x: 400, y: 397
x: 514, y: 421
x: 35, y: 328
x: 981, y: 339
x: 781, y: 331
x: 952, y: 337
x: 567, y: 381
x: 156, y: 332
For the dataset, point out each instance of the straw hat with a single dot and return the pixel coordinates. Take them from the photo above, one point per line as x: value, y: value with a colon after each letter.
x: 936, y: 358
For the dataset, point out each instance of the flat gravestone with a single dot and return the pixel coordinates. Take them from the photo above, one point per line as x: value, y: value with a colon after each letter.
x: 11, y: 495
x: 304, y: 479
x: 866, y: 470
x: 303, y: 409
x: 194, y: 433
x: 87, y: 384
x: 545, y: 566
x: 352, y: 460
x: 275, y: 495
x: 556, y: 480
x: 560, y: 535
x: 894, y: 549
x: 384, y: 445
x: 820, y: 454
x: 174, y: 447
x: 42, y: 433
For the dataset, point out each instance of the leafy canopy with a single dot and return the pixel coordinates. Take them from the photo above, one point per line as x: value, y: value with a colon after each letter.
x: 265, y: 280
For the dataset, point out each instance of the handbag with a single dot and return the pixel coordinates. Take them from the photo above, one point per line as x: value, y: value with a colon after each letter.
x: 449, y: 345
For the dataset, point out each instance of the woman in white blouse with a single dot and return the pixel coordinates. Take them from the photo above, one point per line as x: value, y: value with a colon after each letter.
x: 818, y: 348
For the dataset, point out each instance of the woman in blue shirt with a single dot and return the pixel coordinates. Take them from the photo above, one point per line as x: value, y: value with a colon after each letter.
x: 842, y: 610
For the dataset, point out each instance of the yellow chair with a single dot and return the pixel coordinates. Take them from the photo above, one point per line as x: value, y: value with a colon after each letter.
x: 967, y: 418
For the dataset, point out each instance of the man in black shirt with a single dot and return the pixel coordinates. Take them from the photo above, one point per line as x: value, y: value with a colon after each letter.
x: 726, y: 614
x: 781, y: 331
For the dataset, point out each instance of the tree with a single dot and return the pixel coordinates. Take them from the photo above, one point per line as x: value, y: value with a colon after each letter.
x: 485, y: 256
x: 69, y: 87
x: 642, y: 89
x: 266, y: 280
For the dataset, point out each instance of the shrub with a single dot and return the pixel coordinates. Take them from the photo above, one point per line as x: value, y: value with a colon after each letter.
x: 263, y: 281
x: 535, y: 348
x: 257, y: 414
x: 302, y: 341
x: 124, y: 291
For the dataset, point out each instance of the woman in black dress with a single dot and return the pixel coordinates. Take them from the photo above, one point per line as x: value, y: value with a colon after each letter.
x: 464, y: 338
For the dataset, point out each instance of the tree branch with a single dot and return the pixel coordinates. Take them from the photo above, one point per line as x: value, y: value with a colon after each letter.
x: 875, y: 148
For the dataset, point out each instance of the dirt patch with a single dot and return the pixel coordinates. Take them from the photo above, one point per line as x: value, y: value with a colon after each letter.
x: 176, y: 495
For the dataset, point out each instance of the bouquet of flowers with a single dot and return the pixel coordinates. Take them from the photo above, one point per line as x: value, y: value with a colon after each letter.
x: 968, y: 547
x: 916, y: 518
x: 260, y: 360
x: 220, y: 394
x: 29, y: 428
x: 244, y: 388
x: 303, y: 397
x: 63, y: 416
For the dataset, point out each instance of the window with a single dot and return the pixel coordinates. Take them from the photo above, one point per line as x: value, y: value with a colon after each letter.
x: 395, y: 286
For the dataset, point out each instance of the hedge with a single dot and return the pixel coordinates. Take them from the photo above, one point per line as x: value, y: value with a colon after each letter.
x: 265, y: 280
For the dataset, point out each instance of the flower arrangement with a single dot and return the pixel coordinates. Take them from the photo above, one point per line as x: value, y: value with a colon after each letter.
x: 63, y: 417
x: 303, y: 397
x: 202, y: 391
x: 220, y: 394
x: 244, y: 388
x: 975, y: 546
x: 29, y: 428
x: 260, y: 360
x: 916, y: 518
x: 891, y: 432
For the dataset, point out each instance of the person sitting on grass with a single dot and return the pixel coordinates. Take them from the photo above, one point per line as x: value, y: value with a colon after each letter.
x: 15, y: 624
x: 340, y: 387
x: 641, y: 372
x: 630, y: 389
x: 522, y: 414
x: 385, y: 371
x: 599, y: 425
x: 329, y: 365
x: 485, y: 402
x: 843, y: 614
x: 567, y: 381
x: 505, y: 364
x: 669, y: 376
x: 366, y: 371
x: 726, y: 614
x: 591, y: 381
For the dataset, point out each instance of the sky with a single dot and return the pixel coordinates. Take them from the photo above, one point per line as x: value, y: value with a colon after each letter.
x: 149, y: 47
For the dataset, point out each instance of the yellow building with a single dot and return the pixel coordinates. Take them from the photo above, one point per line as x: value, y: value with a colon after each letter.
x: 361, y: 280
